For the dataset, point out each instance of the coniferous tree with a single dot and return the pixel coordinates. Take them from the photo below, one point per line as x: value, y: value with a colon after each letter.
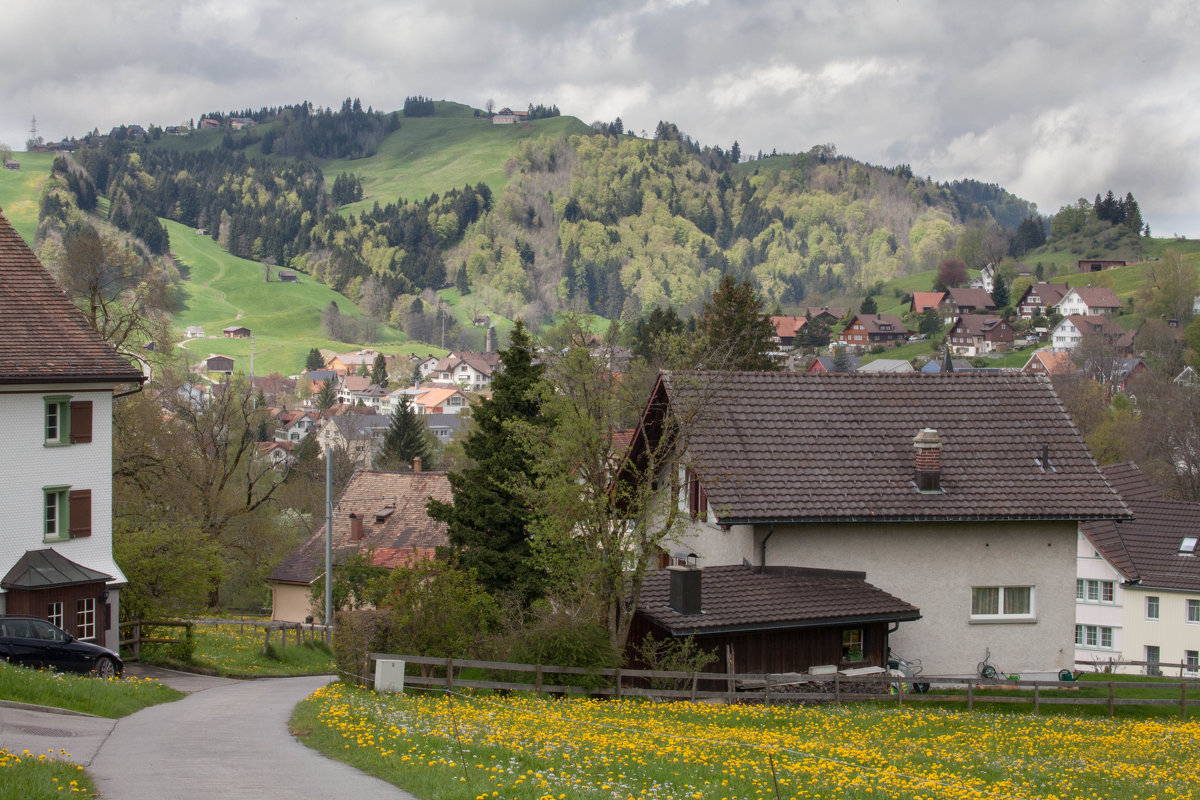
x: 869, y: 306
x: 379, y: 374
x: 734, y: 333
x: 489, y: 520
x: 314, y: 360
x: 404, y: 441
x: 326, y: 395
x: 1000, y: 293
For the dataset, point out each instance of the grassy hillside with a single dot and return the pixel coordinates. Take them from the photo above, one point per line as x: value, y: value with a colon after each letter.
x: 433, y: 154
x: 20, y: 191
x: 222, y: 290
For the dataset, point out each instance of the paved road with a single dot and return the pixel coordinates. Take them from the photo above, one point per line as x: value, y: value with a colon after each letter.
x: 227, y: 739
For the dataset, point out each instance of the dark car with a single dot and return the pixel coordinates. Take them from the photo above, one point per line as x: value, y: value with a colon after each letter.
x: 34, y: 642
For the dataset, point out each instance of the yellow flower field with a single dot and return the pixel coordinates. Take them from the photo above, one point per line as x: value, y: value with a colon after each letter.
x: 481, y: 746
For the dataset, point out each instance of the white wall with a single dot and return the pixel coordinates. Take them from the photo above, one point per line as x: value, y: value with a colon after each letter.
x: 1091, y: 565
x: 1171, y: 632
x: 29, y: 465
x: 934, y: 567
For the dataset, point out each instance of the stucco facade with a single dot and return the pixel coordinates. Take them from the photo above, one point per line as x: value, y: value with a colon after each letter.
x: 1176, y: 637
x: 292, y: 603
x: 936, y: 567
x: 1100, y: 600
x: 31, y: 466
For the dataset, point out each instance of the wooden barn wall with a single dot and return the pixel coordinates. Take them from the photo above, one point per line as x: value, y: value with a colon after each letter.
x: 35, y: 604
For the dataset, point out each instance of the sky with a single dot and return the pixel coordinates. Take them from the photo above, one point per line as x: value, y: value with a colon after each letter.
x: 1051, y: 100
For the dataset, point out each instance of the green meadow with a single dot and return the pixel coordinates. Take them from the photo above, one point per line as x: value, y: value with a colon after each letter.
x: 20, y: 191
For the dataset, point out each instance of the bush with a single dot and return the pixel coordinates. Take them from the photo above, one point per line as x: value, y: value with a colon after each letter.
x: 359, y: 633
x: 559, y: 639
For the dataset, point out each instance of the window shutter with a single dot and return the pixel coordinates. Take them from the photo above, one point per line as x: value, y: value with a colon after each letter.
x: 81, y: 513
x: 81, y: 421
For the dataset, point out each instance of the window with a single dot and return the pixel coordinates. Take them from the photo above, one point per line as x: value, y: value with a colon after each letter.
x: 1152, y: 660
x: 85, y: 618
x: 852, y: 644
x: 1191, y: 661
x: 1002, y: 602
x: 66, y: 513
x: 1094, y: 591
x: 1193, y: 610
x: 54, y: 613
x: 1097, y: 636
x: 1188, y: 545
x: 1152, y: 608
x: 67, y: 422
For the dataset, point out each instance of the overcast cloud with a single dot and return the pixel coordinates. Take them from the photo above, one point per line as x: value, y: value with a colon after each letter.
x: 1053, y: 101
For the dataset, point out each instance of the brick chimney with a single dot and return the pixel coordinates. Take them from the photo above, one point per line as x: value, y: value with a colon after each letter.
x: 685, y: 589
x: 929, y: 460
x: 356, y: 528
x: 417, y: 464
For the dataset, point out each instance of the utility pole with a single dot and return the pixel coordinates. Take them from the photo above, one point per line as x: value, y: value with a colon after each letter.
x: 328, y: 544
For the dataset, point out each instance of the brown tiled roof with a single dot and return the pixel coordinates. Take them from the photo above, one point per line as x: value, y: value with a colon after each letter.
x: 1146, y: 548
x: 735, y: 598
x: 817, y: 311
x: 405, y: 530
x: 838, y: 447
x: 974, y: 298
x: 874, y: 323
x: 924, y: 300
x: 1102, y: 325
x: 787, y: 326
x: 1098, y: 296
x: 1054, y: 362
x: 1048, y: 293
x: 43, y: 337
x: 979, y: 325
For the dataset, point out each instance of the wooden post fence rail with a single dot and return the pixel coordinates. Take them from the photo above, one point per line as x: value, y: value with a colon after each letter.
x: 758, y: 687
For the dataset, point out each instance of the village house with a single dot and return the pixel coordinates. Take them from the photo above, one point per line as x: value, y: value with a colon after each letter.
x: 867, y: 330
x: 504, y: 116
x: 965, y: 301
x: 1088, y: 301
x: 279, y: 454
x: 1049, y: 362
x: 886, y: 365
x: 828, y: 315
x: 829, y: 364
x: 1071, y: 330
x: 1138, y: 591
x: 786, y: 330
x: 467, y: 369
x: 358, y: 435
x: 58, y: 383
x: 378, y: 513
x: 923, y: 301
x: 295, y: 426
x: 1039, y: 298
x: 441, y: 401
x: 193, y: 332
x: 219, y: 363
x: 357, y: 362
x: 976, y: 334
x: 236, y: 332
x: 958, y: 494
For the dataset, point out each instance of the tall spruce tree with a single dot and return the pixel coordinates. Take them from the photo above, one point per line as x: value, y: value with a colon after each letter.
x: 1000, y: 293
x: 734, y: 333
x: 404, y: 441
x: 489, y: 521
x: 379, y: 373
x: 314, y: 360
x: 326, y: 395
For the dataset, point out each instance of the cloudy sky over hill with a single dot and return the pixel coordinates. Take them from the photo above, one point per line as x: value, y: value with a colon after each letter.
x: 1052, y: 100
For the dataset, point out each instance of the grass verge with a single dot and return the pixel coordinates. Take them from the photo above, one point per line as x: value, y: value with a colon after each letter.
x: 470, y: 747
x: 24, y: 776
x: 112, y: 698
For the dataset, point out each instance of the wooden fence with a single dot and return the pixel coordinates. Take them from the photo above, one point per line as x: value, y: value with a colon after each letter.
x: 135, y: 634
x: 766, y: 688
x: 1111, y: 665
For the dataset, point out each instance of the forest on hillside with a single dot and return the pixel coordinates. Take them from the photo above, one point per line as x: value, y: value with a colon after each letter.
x: 606, y: 223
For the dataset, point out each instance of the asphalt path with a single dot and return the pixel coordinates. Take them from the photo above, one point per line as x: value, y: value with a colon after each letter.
x: 227, y: 739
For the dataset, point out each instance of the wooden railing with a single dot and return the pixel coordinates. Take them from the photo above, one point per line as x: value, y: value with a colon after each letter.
x: 1107, y: 665
x: 137, y: 631
x: 133, y: 634
x: 835, y: 688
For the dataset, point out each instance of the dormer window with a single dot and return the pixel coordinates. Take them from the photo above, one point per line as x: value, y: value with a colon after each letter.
x: 1188, y: 546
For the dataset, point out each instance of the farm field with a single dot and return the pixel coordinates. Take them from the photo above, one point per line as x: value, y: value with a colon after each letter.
x: 442, y: 747
x: 285, y: 318
x: 20, y: 191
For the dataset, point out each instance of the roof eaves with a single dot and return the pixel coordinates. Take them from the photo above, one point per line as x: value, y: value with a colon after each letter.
x: 918, y: 518
x: 892, y: 616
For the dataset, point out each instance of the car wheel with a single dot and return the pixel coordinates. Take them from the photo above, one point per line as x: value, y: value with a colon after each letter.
x: 104, y: 668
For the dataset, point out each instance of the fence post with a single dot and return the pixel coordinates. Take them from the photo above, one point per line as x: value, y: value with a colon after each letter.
x: 282, y: 637
x: 971, y: 696
x: 767, y: 688
x: 618, y: 683
x: 1112, y: 693
x: 449, y: 674
x: 695, y: 681
x: 538, y: 672
x: 137, y: 640
x: 1037, y: 696
x: 1183, y: 699
x: 266, y: 638
x: 837, y: 688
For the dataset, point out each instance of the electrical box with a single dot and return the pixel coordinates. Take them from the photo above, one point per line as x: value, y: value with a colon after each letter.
x: 389, y: 675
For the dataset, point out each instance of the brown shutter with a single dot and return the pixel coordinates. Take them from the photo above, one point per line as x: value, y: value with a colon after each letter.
x: 81, y: 513
x: 693, y: 484
x: 81, y: 421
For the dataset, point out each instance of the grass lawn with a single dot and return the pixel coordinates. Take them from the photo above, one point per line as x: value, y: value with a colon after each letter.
x: 237, y: 650
x: 440, y: 748
x: 20, y: 191
x: 104, y: 698
x: 25, y: 776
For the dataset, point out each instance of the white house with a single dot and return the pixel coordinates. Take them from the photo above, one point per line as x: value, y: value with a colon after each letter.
x: 57, y: 382
x: 1088, y: 301
x: 1099, y: 607
x: 467, y: 369
x: 938, y: 488
x: 1154, y: 563
x: 1071, y: 330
